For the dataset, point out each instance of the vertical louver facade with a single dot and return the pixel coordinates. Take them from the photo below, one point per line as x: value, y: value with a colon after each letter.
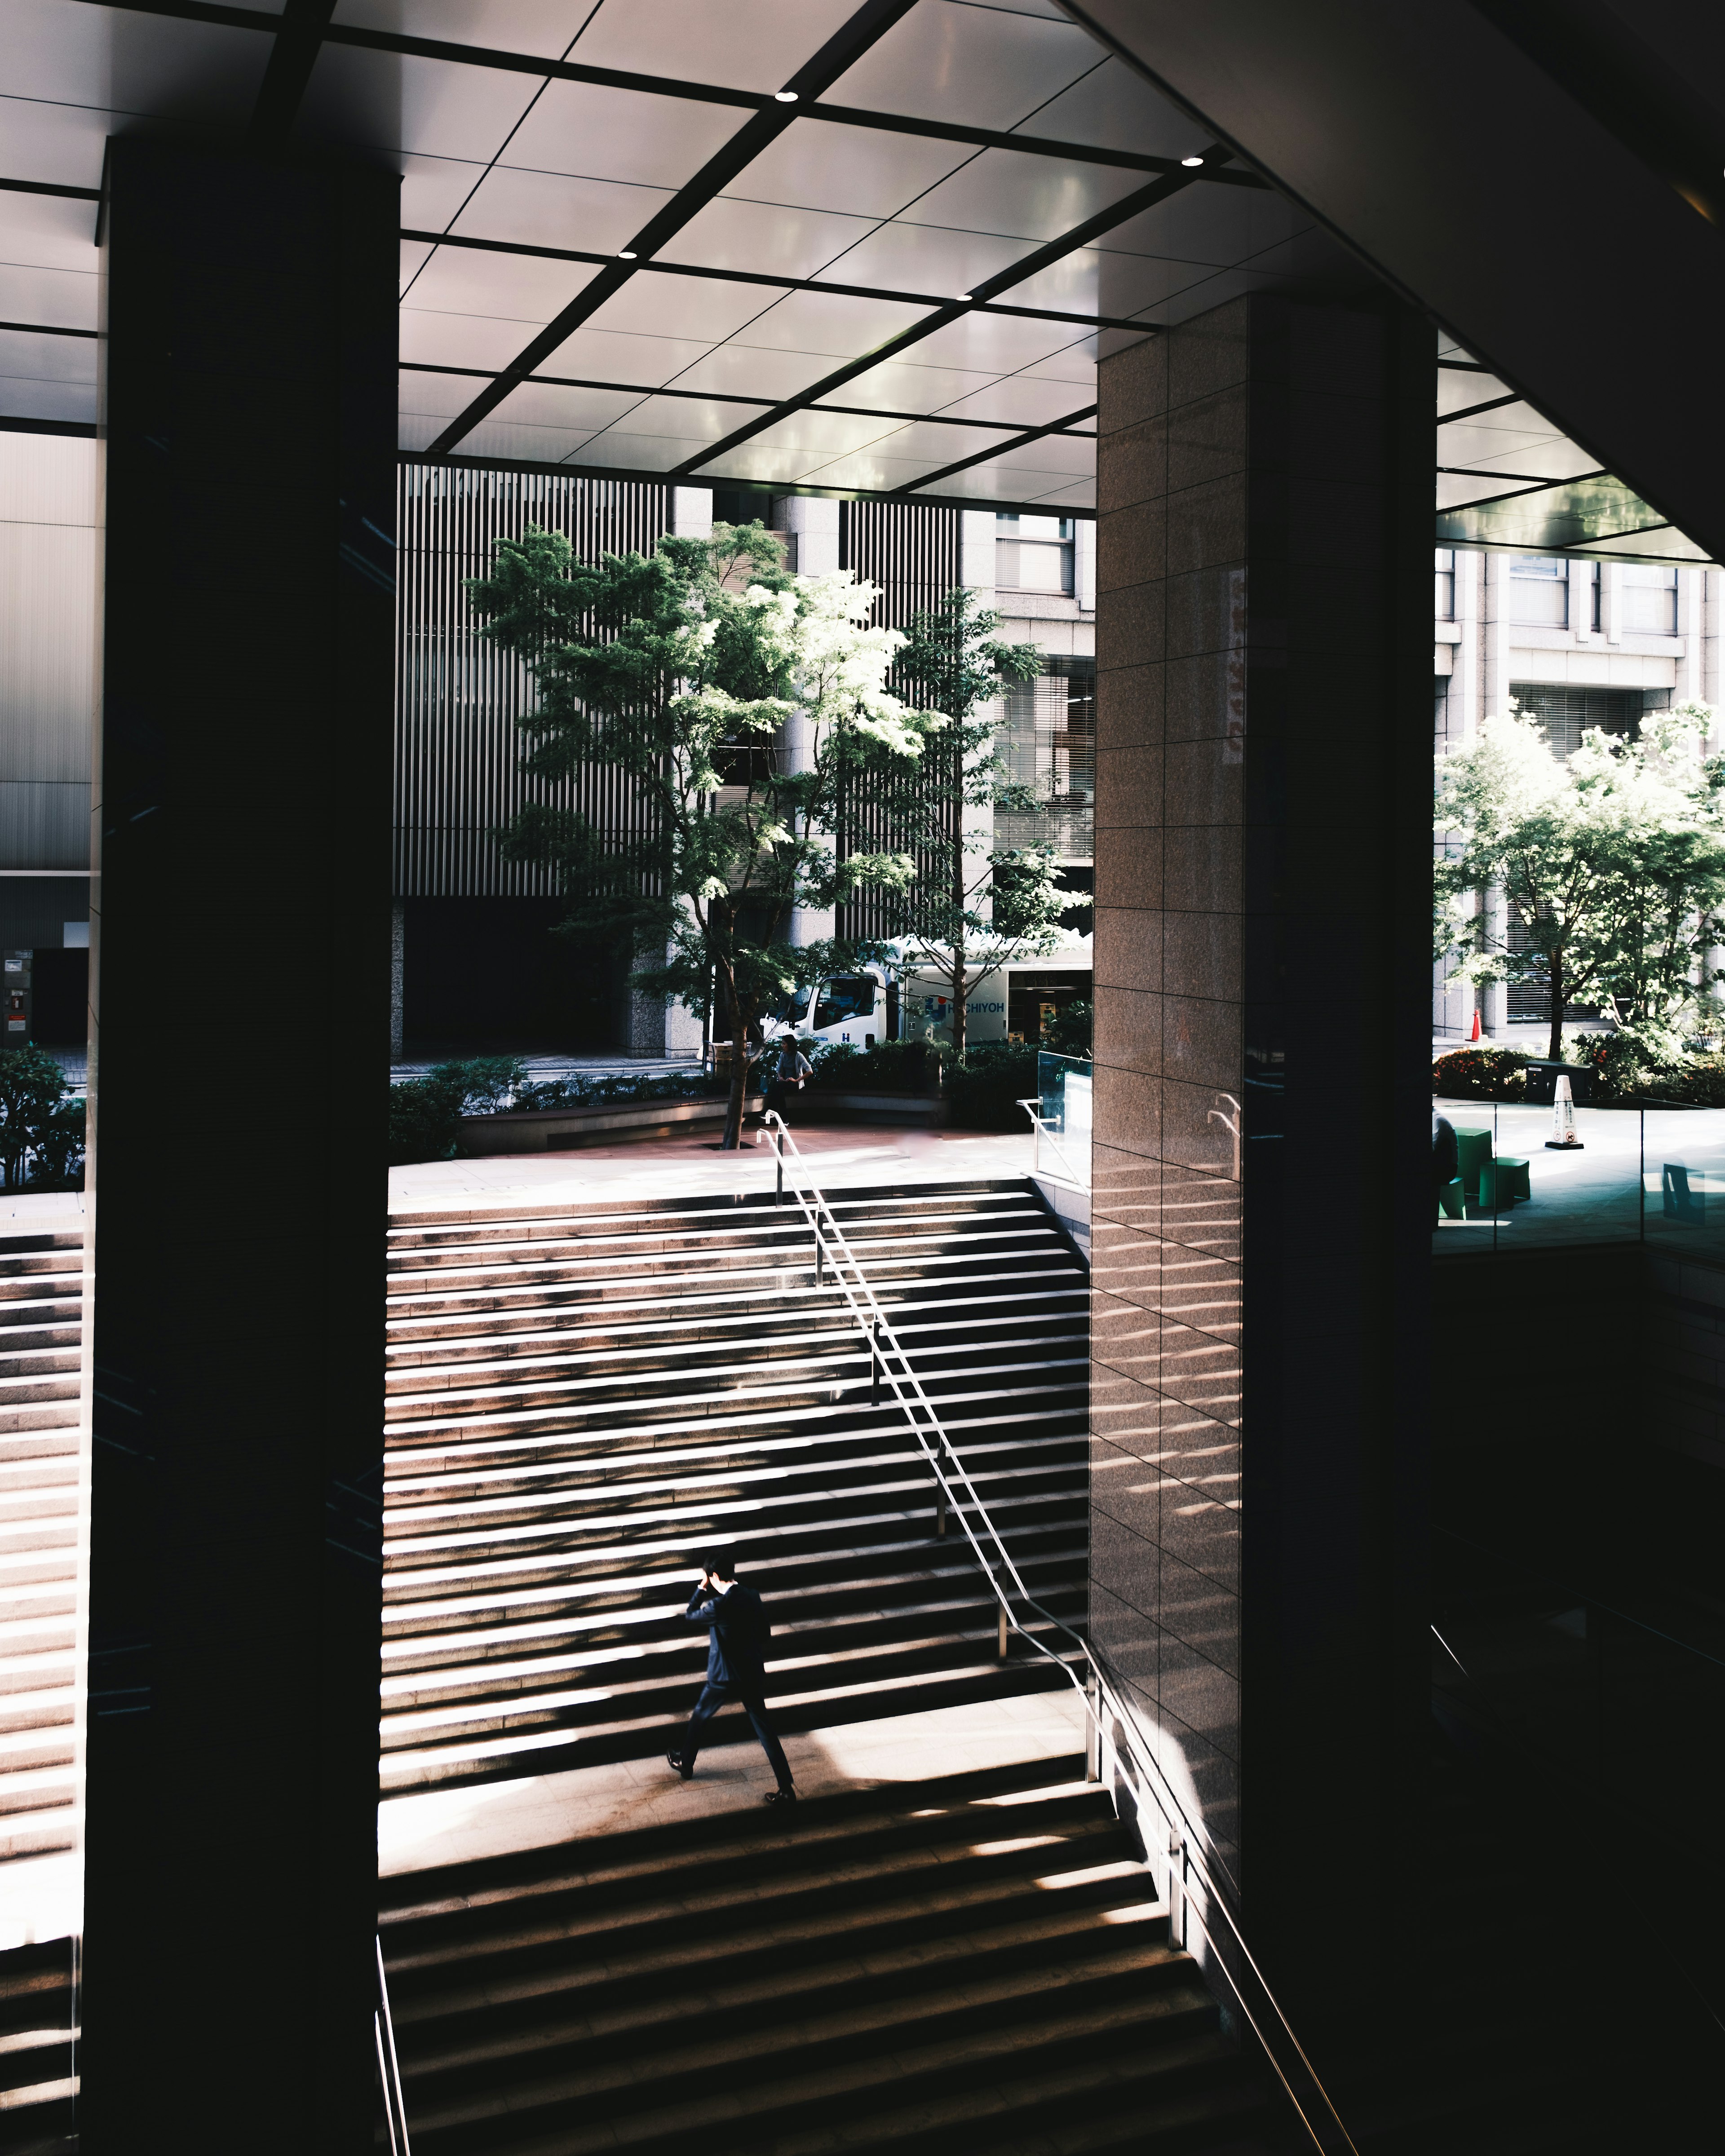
x: 457, y: 747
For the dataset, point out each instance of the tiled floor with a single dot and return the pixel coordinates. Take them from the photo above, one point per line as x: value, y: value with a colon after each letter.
x: 670, y: 1168
x: 454, y: 1826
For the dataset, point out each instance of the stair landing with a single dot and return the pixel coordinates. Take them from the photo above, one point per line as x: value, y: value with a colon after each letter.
x: 430, y: 1828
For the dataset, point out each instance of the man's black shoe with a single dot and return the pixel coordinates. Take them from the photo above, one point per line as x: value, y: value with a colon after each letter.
x: 779, y: 1797
x: 676, y: 1759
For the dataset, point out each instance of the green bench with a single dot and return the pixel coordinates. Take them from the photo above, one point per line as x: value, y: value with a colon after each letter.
x: 1502, y: 1180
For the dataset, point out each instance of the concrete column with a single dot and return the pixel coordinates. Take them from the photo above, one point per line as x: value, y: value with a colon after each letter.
x: 1611, y: 601
x: 976, y: 553
x: 1458, y: 1005
x: 1709, y: 628
x: 681, y: 1032
x: 1581, y: 601
x: 235, y: 1577
x: 815, y: 526
x: 1083, y: 564
x: 1495, y: 636
x: 1691, y: 613
x: 1494, y: 695
x: 691, y: 512
x: 1264, y: 595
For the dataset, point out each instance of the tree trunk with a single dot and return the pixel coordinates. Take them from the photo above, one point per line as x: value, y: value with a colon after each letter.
x: 957, y: 986
x: 1555, y: 1050
x: 739, y: 1080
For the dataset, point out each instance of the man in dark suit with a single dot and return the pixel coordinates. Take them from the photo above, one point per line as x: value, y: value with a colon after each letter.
x: 737, y: 1632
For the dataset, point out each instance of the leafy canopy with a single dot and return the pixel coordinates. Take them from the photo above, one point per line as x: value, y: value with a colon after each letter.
x: 683, y: 670
x: 1613, y: 864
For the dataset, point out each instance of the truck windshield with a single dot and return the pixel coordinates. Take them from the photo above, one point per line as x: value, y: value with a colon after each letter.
x: 849, y: 997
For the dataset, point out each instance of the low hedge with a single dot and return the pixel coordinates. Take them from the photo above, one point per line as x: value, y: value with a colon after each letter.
x: 424, y: 1113
x: 889, y: 1066
x: 983, y: 1091
x: 1481, y: 1074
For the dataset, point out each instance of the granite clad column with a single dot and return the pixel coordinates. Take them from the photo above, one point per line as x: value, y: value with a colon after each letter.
x: 241, y: 965
x: 1262, y: 1232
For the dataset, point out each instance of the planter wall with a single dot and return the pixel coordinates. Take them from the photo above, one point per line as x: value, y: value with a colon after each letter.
x: 814, y: 1105
x: 557, y: 1130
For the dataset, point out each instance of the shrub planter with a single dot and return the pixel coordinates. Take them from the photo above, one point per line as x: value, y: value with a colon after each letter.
x: 815, y: 1104
x: 1542, y: 1083
x: 557, y: 1130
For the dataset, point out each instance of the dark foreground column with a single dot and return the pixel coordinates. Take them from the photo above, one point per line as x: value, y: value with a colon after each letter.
x: 1263, y: 850
x: 241, y: 955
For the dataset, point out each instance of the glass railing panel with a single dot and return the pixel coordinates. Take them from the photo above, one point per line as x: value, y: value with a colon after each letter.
x: 1064, y: 1084
x: 1683, y: 1181
x: 1463, y: 1226
x: 1521, y: 1190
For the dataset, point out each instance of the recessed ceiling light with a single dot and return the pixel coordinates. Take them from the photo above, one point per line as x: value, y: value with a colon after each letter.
x: 961, y: 295
x: 625, y: 255
x: 1192, y: 160
x: 785, y: 97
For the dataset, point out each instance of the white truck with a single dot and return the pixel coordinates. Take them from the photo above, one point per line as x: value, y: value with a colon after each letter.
x: 878, y: 1003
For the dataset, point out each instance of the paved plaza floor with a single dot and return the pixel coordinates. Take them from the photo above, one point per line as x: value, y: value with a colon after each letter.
x: 839, y: 1157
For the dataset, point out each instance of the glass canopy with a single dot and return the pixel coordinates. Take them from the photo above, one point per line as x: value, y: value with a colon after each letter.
x: 869, y: 249
x: 866, y: 248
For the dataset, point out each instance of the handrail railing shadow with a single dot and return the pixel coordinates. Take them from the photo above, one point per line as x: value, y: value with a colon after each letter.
x: 1175, y: 1852
x: 395, y: 2111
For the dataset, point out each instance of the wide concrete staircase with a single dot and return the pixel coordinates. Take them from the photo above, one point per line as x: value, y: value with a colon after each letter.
x: 974, y: 1962
x: 41, y: 1310
x: 578, y: 1404
x: 41, y: 1314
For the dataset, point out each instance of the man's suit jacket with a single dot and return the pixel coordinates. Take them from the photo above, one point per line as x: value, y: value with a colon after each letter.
x: 737, y: 1636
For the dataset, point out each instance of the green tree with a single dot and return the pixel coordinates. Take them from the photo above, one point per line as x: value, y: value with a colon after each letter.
x: 1613, y: 864
x: 678, y: 668
x: 31, y: 1086
x: 974, y: 907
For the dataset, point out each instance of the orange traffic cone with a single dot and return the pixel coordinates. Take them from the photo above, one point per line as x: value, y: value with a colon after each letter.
x: 1475, y: 1034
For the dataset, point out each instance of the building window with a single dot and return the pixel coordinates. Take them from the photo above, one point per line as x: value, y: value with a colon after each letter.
x: 1049, y: 743
x: 1649, y: 599
x: 1034, y: 553
x: 1539, y: 591
x: 1568, y: 713
x: 1445, y: 602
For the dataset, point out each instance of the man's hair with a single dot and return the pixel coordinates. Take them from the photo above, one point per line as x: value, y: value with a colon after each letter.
x: 720, y: 1563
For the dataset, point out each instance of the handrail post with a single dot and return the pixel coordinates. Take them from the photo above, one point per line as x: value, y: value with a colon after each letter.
x: 1176, y: 1888
x: 875, y: 1364
x: 1092, y: 1729
x: 1000, y: 1631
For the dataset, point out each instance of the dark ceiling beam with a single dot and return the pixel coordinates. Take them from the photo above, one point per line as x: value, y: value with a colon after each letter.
x: 1133, y: 206
x: 1355, y: 109
x: 1473, y: 411
x: 48, y: 187
x: 715, y: 397
x: 48, y: 329
x: 764, y: 278
x: 302, y: 24
x: 698, y: 93
x: 1018, y: 441
x: 842, y: 50
x: 775, y: 489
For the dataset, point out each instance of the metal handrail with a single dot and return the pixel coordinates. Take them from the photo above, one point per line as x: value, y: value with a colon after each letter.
x: 919, y: 1411
x: 395, y: 2110
x: 1043, y: 1128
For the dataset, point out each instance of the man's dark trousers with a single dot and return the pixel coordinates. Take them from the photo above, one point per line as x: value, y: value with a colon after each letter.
x: 712, y: 1698
x: 738, y: 1633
